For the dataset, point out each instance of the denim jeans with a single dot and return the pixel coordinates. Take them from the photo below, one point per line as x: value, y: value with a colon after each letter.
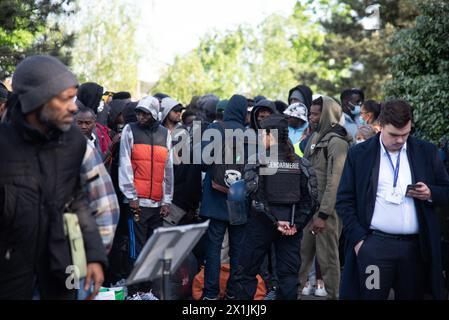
x: 215, y: 235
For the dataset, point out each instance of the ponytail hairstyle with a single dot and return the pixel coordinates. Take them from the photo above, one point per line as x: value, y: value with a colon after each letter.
x: 372, y: 106
x: 284, y: 142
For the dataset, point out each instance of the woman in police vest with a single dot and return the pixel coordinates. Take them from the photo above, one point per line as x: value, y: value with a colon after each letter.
x: 281, y: 205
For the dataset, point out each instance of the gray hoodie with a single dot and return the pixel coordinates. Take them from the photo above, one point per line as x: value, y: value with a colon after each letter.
x: 167, y: 105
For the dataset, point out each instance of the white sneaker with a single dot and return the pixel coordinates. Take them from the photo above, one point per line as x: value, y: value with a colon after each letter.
x: 320, y: 290
x: 308, y: 289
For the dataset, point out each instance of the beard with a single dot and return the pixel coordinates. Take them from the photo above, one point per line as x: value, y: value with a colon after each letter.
x: 314, y: 126
x: 47, y: 117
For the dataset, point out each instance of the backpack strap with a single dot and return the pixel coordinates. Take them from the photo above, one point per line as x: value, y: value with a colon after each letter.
x: 328, y: 141
x: 312, y: 182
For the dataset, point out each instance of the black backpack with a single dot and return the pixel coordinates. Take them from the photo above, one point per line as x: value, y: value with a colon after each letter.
x: 223, y: 175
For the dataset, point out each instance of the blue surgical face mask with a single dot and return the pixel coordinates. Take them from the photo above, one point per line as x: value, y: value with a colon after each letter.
x: 362, y: 121
x: 304, y: 126
x: 356, y: 110
x: 359, y: 141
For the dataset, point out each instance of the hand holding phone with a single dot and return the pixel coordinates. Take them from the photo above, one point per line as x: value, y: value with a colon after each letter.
x: 419, y: 191
x: 411, y: 187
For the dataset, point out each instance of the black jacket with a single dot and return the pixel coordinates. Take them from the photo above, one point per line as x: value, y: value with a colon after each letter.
x: 39, y: 175
x: 262, y: 104
x: 187, y: 176
x: 306, y: 92
x: 356, y: 200
x: 90, y: 95
x: 187, y: 189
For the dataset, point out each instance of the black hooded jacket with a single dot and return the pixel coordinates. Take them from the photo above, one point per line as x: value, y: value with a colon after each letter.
x: 262, y: 104
x: 117, y: 107
x: 187, y: 187
x: 129, y: 112
x: 90, y: 94
x: 305, y: 91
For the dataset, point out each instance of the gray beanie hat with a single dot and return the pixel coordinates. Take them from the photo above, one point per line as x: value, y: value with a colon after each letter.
x: 38, y: 79
x: 298, y: 96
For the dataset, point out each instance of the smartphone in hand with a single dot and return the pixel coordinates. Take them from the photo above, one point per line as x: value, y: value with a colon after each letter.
x: 411, y: 187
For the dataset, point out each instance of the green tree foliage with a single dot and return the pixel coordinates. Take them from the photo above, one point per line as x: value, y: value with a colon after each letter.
x: 105, y: 50
x: 30, y: 27
x: 321, y: 44
x: 420, y: 69
x: 215, y: 66
x: 264, y: 60
x: 358, y: 56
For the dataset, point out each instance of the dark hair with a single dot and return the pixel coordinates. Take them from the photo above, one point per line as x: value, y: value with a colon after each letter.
x: 83, y: 109
x: 395, y: 112
x: 284, y: 142
x: 373, y: 107
x: 123, y: 95
x: 281, y: 106
x: 318, y: 102
x: 161, y: 96
x: 186, y: 114
x: 219, y: 115
x: 129, y: 112
x: 192, y: 106
x: 347, y: 93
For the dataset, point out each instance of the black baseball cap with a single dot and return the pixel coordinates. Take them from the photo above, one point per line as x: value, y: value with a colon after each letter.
x: 275, y: 121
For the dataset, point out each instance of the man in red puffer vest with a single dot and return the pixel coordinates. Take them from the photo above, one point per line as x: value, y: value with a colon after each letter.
x: 145, y: 173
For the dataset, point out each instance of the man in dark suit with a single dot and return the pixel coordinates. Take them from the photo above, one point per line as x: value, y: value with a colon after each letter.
x: 392, y: 231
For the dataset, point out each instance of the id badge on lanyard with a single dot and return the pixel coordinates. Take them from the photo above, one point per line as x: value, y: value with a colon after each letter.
x: 394, y: 195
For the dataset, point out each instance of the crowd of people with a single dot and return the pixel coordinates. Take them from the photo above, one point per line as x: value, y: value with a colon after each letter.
x: 352, y: 191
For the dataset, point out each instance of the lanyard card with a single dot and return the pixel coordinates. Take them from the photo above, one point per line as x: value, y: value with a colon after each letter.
x: 394, y: 196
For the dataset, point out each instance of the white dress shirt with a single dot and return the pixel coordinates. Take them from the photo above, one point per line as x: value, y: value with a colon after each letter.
x: 389, y: 217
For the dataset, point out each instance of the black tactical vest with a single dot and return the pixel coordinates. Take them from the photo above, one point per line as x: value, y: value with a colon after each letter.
x: 283, y: 188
